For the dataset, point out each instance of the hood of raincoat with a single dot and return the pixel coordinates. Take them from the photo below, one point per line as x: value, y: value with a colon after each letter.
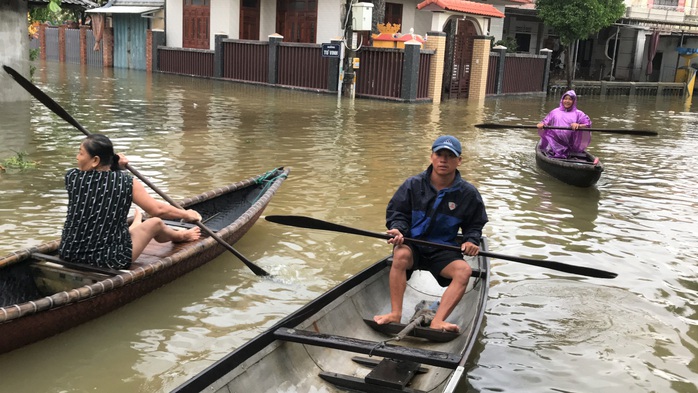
x: 573, y: 95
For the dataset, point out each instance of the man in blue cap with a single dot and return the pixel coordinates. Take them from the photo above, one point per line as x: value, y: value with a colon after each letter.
x: 433, y: 206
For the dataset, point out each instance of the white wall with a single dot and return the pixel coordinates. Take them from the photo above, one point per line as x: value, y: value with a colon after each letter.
x: 225, y: 19
x: 173, y: 23
x: 267, y: 19
x: 329, y: 25
x: 14, y: 48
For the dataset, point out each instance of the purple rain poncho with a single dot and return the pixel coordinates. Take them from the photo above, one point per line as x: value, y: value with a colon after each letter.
x: 563, y: 143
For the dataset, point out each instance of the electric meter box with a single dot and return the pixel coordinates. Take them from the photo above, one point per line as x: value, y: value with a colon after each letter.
x: 362, y: 14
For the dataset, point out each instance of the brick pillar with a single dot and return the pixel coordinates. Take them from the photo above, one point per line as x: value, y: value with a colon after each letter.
x: 107, y: 47
x: 149, y: 50
x: 61, y: 43
x: 436, y: 41
x: 410, y: 71
x: 83, y: 44
x: 274, y: 41
x: 478, y: 68
x: 42, y: 41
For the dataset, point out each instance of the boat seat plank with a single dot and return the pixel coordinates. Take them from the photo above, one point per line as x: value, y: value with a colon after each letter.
x: 371, y: 362
x: 430, y: 334
x: 434, y: 358
x: 392, y: 373
x: 358, y: 384
x: 75, y: 265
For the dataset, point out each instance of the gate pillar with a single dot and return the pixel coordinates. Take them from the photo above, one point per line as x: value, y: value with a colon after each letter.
x: 437, y: 43
x: 479, y: 66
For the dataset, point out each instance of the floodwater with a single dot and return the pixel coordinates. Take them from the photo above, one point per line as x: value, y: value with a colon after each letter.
x: 544, y: 330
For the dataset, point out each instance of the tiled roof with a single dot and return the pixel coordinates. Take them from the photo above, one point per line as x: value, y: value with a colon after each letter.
x: 80, y: 3
x: 138, y: 3
x: 467, y: 7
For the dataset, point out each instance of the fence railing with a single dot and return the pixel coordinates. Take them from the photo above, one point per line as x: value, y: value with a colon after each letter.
x: 532, y: 67
x: 52, y: 52
x: 246, y: 60
x: 380, y: 72
x: 184, y: 61
x: 298, y: 65
x: 303, y: 66
x: 76, y: 46
x: 384, y: 72
x: 607, y: 88
x: 518, y: 73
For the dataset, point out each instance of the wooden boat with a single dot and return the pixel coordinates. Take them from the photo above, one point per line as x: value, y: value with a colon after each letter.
x: 40, y: 298
x: 582, y: 171
x: 313, y: 349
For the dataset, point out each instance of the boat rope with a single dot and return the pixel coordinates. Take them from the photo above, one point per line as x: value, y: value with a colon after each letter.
x: 267, y: 180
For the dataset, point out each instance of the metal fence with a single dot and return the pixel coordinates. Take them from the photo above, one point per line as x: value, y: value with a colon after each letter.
x: 380, y: 72
x: 93, y: 57
x: 246, y: 60
x: 524, y: 73
x: 302, y: 65
x: 52, y: 44
x: 72, y: 46
x: 197, y: 62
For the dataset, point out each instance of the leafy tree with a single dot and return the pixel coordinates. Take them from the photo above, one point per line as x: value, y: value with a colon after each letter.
x: 509, y: 42
x: 53, y: 13
x: 578, y: 20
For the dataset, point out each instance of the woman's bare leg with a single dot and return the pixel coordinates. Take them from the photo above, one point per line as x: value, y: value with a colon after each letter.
x: 137, y: 219
x: 154, y: 228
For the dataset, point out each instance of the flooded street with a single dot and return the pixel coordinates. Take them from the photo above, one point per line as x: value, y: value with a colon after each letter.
x: 544, y: 330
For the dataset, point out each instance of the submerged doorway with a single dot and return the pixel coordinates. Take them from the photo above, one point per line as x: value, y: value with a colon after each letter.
x: 460, y: 35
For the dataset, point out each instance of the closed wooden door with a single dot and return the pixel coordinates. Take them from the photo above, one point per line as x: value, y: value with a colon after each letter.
x: 296, y: 20
x: 249, y: 20
x: 196, y: 22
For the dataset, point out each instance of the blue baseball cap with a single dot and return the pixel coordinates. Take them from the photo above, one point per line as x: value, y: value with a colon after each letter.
x: 446, y: 142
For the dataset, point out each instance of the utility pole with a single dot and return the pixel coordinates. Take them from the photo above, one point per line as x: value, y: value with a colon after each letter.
x: 349, y: 77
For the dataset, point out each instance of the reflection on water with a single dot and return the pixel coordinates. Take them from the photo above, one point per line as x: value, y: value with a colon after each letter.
x: 635, y: 333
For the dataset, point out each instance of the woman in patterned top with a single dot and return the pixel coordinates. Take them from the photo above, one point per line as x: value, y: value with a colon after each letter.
x: 99, y: 199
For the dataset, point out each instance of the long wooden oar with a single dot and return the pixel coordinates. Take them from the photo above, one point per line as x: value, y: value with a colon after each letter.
x: 313, y: 223
x: 57, y: 109
x: 608, y: 130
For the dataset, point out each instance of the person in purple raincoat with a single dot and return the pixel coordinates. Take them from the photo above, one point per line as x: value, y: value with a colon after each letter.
x: 565, y: 143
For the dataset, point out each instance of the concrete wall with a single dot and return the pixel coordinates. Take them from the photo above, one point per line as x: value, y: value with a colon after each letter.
x: 14, y: 48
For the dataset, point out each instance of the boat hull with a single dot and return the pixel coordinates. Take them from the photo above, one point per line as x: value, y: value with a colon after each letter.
x: 583, y: 172
x: 36, y: 318
x: 316, y: 347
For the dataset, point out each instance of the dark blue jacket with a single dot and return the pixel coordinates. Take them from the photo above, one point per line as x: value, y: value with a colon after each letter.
x: 418, y: 211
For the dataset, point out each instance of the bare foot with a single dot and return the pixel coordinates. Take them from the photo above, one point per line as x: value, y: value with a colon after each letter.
x: 188, y: 235
x: 445, y: 326
x: 387, y: 318
x: 137, y: 218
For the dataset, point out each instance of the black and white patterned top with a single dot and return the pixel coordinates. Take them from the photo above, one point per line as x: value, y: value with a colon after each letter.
x: 95, y: 230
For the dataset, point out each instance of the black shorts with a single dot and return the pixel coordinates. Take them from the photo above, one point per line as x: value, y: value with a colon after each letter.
x: 434, y: 260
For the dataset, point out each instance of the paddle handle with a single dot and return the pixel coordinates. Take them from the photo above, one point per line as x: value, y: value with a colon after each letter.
x: 313, y: 223
x: 607, y: 130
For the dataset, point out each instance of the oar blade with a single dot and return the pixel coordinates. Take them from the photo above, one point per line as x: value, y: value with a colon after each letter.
x: 559, y: 266
x: 313, y: 223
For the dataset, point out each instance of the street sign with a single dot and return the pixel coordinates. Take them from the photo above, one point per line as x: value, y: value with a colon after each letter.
x: 330, y: 50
